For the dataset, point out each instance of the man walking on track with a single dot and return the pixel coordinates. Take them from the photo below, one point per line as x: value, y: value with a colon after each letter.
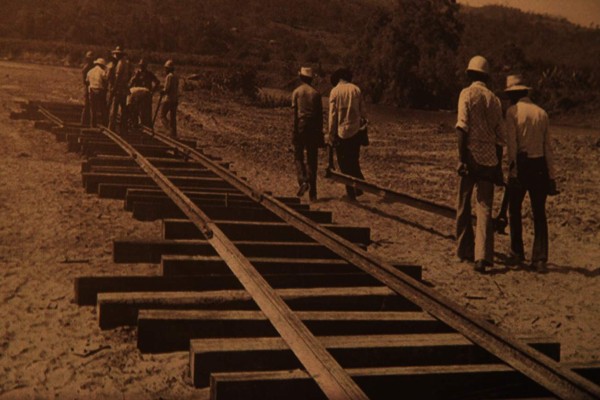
x: 121, y: 74
x: 531, y: 170
x: 97, y: 81
x: 171, y: 95
x: 308, y: 133
x: 480, y: 139
x: 347, y: 114
x: 87, y: 66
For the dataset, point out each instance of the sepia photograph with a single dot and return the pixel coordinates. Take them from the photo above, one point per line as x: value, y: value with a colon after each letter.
x: 299, y: 199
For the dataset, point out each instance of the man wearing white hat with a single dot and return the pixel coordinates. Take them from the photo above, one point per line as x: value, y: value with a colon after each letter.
x: 97, y: 81
x: 531, y: 169
x: 308, y: 132
x: 87, y: 66
x: 480, y: 139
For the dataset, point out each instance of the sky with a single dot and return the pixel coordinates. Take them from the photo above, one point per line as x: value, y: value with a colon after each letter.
x: 582, y: 12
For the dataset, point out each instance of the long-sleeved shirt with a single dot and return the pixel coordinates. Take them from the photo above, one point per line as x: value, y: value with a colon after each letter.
x: 346, y: 109
x: 85, y: 69
x: 308, y: 114
x: 97, y: 78
x: 480, y: 116
x: 122, y: 74
x: 527, y: 131
x: 171, y: 88
x: 144, y: 78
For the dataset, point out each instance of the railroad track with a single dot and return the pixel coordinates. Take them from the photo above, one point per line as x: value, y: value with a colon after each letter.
x: 273, y: 300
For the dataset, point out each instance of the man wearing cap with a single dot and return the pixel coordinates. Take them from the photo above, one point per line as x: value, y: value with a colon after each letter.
x: 347, y: 115
x: 171, y: 96
x: 142, y: 85
x: 308, y: 132
x: 120, y: 76
x: 87, y: 66
x: 480, y: 139
x: 531, y: 170
x: 97, y: 81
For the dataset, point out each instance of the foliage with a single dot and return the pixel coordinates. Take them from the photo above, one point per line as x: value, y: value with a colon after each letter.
x: 407, y: 55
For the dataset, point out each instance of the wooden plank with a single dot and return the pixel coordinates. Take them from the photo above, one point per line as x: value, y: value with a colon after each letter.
x: 366, y: 351
x: 88, y: 287
x: 91, y: 180
x: 240, y: 230
x: 119, y: 190
x: 151, y: 212
x: 116, y: 309
x: 172, y: 330
x: 151, y: 251
x: 126, y: 161
x: 178, y: 265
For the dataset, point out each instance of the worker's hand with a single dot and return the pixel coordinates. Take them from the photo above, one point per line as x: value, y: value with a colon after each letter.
x: 552, y: 191
x: 462, y: 169
x: 331, y: 140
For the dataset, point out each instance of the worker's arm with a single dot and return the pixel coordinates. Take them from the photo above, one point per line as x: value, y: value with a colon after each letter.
x: 462, y: 132
x: 168, y: 83
x: 295, y: 110
x: 333, y: 119
x: 511, y: 142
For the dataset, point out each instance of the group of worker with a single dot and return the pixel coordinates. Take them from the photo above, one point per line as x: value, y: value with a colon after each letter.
x: 114, y: 91
x: 483, y: 131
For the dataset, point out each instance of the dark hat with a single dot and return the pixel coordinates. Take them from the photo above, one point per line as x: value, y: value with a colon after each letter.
x: 118, y: 50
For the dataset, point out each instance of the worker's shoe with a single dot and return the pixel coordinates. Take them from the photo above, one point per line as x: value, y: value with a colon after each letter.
x: 539, y: 266
x: 305, y: 187
x: 466, y: 259
x: 480, y: 266
x: 515, y: 259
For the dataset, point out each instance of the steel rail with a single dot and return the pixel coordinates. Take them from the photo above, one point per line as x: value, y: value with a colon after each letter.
x: 390, y: 194
x: 51, y: 117
x: 333, y: 380
x: 548, y: 373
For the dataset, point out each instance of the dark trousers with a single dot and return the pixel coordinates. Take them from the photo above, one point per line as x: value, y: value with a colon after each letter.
x: 348, y: 156
x: 533, y: 180
x: 471, y: 245
x: 119, y: 102
x: 306, y: 171
x: 85, y: 114
x: 98, y: 105
x: 169, y: 108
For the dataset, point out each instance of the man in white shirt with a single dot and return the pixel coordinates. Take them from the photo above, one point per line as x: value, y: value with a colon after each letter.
x: 97, y: 81
x: 346, y: 114
x: 531, y: 170
x: 480, y: 133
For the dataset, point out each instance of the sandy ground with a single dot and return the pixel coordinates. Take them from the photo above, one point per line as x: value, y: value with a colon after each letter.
x: 51, y: 231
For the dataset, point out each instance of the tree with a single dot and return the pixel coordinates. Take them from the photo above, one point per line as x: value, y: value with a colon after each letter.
x: 407, y: 56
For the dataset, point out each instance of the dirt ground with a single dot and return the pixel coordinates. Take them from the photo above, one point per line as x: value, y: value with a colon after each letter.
x: 51, y: 231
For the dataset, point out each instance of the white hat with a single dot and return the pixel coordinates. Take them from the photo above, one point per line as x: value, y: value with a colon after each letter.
x: 307, y: 72
x: 100, y: 61
x: 479, y: 64
x: 515, y: 83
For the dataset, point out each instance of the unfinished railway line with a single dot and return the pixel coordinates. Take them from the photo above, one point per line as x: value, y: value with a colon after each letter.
x: 274, y: 300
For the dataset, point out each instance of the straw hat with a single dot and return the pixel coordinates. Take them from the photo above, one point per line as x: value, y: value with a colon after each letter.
x: 515, y: 83
x: 100, y: 61
x: 479, y: 64
x: 89, y: 54
x: 169, y: 64
x: 307, y: 72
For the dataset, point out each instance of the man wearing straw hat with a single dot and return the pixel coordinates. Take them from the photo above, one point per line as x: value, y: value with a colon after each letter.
x: 121, y: 74
x: 97, y: 81
x: 87, y: 66
x: 531, y: 170
x: 308, y: 132
x: 480, y: 139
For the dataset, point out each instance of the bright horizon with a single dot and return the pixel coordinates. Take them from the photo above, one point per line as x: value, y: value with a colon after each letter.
x: 582, y: 12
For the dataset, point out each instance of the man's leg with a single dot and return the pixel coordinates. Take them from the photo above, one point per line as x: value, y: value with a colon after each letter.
x: 146, y: 110
x: 85, y: 115
x: 484, y: 237
x: 93, y: 109
x: 103, y: 107
x: 312, y: 153
x: 114, y: 110
x: 464, y: 224
x: 163, y: 114
x: 299, y: 163
x: 516, y: 195
x: 538, y: 207
x: 173, y: 120
x: 122, y: 99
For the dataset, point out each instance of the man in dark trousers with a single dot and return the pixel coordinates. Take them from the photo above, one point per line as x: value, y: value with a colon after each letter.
x: 481, y: 136
x: 171, y: 96
x: 347, y: 115
x: 97, y: 82
x: 308, y: 133
x: 531, y: 170
x: 142, y: 85
x: 87, y: 65
x: 119, y: 87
